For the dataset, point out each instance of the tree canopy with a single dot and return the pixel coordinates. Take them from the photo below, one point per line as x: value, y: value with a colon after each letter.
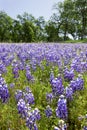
x: 69, y: 19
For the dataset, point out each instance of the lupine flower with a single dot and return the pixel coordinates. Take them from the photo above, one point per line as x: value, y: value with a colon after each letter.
x: 35, y: 127
x: 22, y: 108
x: 29, y: 98
x: 77, y: 84
x: 68, y: 74
x: 48, y: 111
x: 51, y: 76
x: 2, y: 68
x: 29, y: 76
x: 37, y: 114
x: 4, y: 93
x: 31, y: 119
x: 49, y: 97
x: 61, y: 110
x: 15, y: 71
x: 18, y: 94
x: 12, y: 85
x: 2, y: 81
x: 85, y: 128
x: 57, y: 87
x: 69, y: 93
x: 28, y: 90
x: 20, y: 66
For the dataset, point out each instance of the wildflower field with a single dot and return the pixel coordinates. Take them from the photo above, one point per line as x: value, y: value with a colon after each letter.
x: 43, y: 86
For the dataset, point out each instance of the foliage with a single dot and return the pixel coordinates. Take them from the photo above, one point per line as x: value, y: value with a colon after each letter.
x: 68, y: 21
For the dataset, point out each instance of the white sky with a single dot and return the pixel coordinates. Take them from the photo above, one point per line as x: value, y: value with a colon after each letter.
x: 35, y: 7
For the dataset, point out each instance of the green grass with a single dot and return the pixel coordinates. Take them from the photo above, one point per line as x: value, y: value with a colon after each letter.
x: 76, y: 41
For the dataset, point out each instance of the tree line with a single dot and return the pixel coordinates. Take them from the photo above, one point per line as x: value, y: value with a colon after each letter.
x: 69, y: 20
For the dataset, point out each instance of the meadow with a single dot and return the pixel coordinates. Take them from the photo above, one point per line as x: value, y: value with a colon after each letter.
x: 43, y: 86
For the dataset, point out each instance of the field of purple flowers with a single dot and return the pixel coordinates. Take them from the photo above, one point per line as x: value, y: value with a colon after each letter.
x: 43, y: 86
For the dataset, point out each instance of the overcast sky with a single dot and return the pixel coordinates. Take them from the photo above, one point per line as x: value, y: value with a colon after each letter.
x: 35, y: 7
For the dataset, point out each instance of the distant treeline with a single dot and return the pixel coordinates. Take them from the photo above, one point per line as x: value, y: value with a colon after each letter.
x: 68, y: 21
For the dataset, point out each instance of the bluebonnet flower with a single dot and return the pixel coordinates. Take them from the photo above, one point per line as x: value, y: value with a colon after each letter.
x: 57, y: 87
x: 22, y: 108
x: 28, y: 90
x: 69, y: 93
x: 37, y: 114
x: 77, y: 84
x: 15, y: 71
x: 29, y: 98
x: 35, y: 126
x: 18, y: 94
x: 12, y: 85
x: 2, y: 81
x: 69, y: 74
x: 51, y: 76
x: 2, y: 68
x: 4, y: 92
x: 61, y: 110
x: 29, y: 76
x: 31, y: 119
x: 20, y: 66
x: 27, y: 68
x: 49, y: 97
x: 85, y: 128
x: 48, y: 111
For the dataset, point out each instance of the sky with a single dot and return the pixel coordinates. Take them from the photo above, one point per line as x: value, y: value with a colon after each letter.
x: 35, y: 7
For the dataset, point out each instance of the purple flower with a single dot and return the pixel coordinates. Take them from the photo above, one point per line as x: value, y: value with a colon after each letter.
x: 49, y: 97
x: 27, y: 89
x: 18, y: 94
x: 35, y: 127
x: 4, y: 93
x: 68, y: 74
x: 69, y: 93
x: 48, y: 111
x: 29, y: 98
x: 12, y: 85
x: 51, y: 76
x: 29, y: 76
x: 22, y: 108
x: 85, y: 128
x: 57, y: 87
x: 77, y: 84
x: 15, y: 71
x: 61, y: 110
x: 32, y: 117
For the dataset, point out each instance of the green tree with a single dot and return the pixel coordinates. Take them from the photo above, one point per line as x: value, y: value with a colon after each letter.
x: 16, y: 31
x: 81, y: 11
x: 27, y: 32
x: 27, y: 21
x: 5, y: 27
x: 52, y: 32
x: 64, y: 18
x: 40, y: 25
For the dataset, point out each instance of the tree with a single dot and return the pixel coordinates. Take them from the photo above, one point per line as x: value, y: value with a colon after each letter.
x: 27, y: 32
x: 5, y: 27
x: 16, y: 31
x: 27, y: 21
x: 52, y: 32
x: 63, y: 18
x: 40, y: 25
x: 81, y: 11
